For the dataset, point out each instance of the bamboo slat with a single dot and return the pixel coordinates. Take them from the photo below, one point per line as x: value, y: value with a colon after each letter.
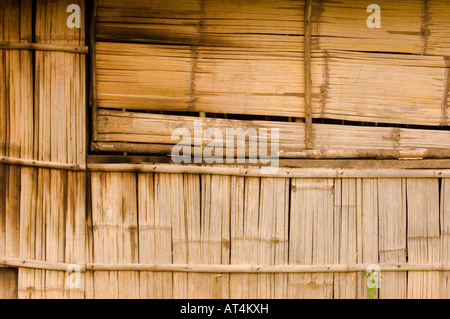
x: 423, y: 236
x: 392, y: 235
x: 347, y: 200
x: 367, y: 228
x: 146, y: 231
x: 163, y: 232
x: 445, y: 235
x: 177, y: 213
x: 311, y: 236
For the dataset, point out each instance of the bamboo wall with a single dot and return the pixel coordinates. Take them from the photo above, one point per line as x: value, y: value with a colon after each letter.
x: 153, y: 230
x: 43, y: 118
x: 190, y: 219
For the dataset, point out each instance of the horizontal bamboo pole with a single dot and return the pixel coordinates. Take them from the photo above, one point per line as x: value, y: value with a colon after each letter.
x: 205, y: 268
x: 343, y: 153
x: 44, y: 47
x: 41, y: 164
x: 369, y: 153
x: 254, y: 171
x: 282, y: 172
x: 37, y: 264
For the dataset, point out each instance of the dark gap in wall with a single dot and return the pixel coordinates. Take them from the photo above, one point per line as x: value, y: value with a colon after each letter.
x: 289, y: 219
x: 405, y: 181
x: 137, y: 217
x: 441, y: 207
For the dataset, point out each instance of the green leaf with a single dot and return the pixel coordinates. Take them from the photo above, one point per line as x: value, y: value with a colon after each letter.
x: 371, y: 292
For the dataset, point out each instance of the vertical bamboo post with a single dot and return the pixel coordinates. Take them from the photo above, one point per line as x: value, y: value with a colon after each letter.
x: 308, y: 81
x: 93, y: 70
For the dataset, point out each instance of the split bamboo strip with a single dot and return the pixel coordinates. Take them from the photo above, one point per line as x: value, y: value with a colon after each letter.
x: 179, y: 244
x: 44, y: 47
x: 273, y: 236
x: 367, y: 228
x: 392, y: 234
x: 196, y: 197
x: 147, y: 234
x: 311, y: 236
x: 163, y: 233
x: 115, y: 233
x: 238, y: 287
x: 423, y: 236
x: 345, y: 248
x: 445, y: 235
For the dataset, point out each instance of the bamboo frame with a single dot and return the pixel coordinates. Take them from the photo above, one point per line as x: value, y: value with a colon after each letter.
x: 208, y: 268
x: 311, y: 169
x: 45, y: 47
x: 282, y: 172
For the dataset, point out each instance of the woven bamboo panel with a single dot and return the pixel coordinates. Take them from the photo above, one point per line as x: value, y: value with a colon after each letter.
x: 386, y: 88
x: 216, y: 80
x: 229, y: 220
x: 115, y: 126
x: 262, y: 24
x: 417, y: 26
x: 42, y: 210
